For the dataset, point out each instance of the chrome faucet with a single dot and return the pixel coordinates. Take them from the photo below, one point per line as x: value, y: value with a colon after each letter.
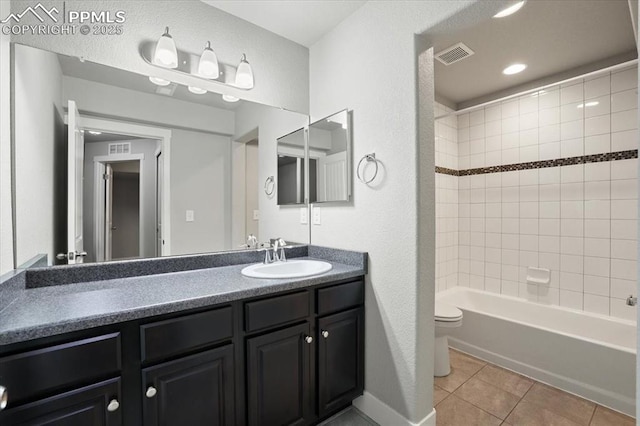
x: 632, y: 300
x: 252, y: 241
x: 274, y: 256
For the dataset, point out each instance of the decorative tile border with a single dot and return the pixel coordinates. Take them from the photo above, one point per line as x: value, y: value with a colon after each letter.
x: 595, y: 158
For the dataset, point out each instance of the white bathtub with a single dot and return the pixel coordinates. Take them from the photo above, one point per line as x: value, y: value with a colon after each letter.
x: 589, y: 355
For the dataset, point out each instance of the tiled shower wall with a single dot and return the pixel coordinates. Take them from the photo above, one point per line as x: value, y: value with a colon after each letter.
x: 576, y: 217
x: 446, y: 200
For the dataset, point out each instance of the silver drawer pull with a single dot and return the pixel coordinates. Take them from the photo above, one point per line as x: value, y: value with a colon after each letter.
x: 4, y: 397
x: 113, y: 406
x: 151, y: 392
x: 308, y: 339
x: 325, y: 333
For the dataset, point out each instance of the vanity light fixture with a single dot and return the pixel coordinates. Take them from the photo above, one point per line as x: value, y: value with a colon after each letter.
x: 514, y: 69
x: 509, y: 10
x: 197, y: 90
x: 166, y: 54
x: 159, y: 81
x: 229, y: 98
x: 244, y: 74
x: 208, y: 64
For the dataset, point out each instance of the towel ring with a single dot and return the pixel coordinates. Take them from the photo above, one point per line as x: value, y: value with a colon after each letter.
x: 269, y: 186
x: 369, y: 158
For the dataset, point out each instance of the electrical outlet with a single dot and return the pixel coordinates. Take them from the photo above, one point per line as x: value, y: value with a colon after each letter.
x: 317, y: 218
x: 190, y: 216
x: 304, y: 215
x: 256, y: 215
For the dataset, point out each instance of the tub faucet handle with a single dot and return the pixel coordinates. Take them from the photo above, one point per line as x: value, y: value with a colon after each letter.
x: 632, y: 300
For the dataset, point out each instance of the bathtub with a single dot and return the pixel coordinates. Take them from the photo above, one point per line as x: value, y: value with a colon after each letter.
x: 589, y: 355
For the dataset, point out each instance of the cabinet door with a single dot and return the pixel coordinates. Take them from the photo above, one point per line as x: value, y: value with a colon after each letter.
x: 194, y: 390
x: 95, y: 405
x: 340, y: 359
x: 278, y: 377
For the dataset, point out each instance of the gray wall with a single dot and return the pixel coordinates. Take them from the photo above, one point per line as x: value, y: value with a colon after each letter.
x: 40, y: 147
x: 200, y: 181
x: 146, y: 147
x: 6, y: 227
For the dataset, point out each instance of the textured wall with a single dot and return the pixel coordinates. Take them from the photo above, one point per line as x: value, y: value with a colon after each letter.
x: 368, y: 64
x: 281, y: 67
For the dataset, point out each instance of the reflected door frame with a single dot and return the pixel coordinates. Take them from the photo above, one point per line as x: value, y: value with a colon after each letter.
x: 147, y: 132
x: 102, y: 198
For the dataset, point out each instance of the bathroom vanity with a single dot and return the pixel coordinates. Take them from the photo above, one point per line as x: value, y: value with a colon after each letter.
x: 195, y: 345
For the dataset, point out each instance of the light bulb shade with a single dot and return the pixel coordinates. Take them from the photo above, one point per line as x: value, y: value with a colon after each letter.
x: 166, y: 54
x: 159, y: 81
x: 208, y: 65
x: 244, y: 74
x: 229, y: 98
x: 197, y: 90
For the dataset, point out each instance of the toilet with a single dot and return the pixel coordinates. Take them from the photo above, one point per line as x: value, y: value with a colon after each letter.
x: 446, y: 317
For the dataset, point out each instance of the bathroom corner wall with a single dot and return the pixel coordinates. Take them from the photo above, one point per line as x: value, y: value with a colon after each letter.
x: 446, y: 158
x: 576, y: 216
x: 6, y: 227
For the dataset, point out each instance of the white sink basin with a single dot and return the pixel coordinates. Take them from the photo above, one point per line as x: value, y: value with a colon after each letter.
x: 288, y: 269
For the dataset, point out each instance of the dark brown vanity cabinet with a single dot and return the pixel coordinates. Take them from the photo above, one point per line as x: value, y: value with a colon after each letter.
x: 292, y: 358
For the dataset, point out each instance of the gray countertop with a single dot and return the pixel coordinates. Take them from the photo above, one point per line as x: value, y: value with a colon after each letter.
x: 46, y: 311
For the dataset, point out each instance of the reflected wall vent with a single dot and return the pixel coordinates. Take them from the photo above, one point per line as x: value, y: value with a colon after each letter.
x: 120, y: 148
x: 453, y: 54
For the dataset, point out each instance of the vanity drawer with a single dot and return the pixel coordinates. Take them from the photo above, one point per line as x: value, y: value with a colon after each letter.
x: 339, y: 297
x: 275, y: 311
x: 163, y: 339
x: 35, y: 373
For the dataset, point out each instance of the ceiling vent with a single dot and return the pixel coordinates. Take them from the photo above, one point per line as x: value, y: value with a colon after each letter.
x: 120, y: 148
x: 453, y: 54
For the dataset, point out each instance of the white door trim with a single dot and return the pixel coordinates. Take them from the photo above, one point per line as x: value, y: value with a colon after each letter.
x: 100, y: 162
x: 150, y: 132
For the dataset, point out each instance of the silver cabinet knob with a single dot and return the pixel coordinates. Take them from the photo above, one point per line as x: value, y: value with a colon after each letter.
x: 308, y: 339
x: 151, y: 392
x: 325, y: 333
x: 113, y: 406
x: 4, y: 397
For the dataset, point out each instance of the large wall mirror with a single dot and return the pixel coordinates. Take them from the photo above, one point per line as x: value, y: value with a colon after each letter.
x: 154, y: 170
x: 330, y: 159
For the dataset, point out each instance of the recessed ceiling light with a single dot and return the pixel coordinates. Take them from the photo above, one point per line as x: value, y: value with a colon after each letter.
x: 514, y: 69
x: 509, y: 10
x: 159, y: 81
x: 197, y: 90
x: 93, y: 132
x: 589, y: 104
x: 229, y: 98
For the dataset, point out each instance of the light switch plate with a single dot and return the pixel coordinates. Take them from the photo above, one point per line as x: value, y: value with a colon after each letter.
x: 256, y: 215
x: 304, y: 215
x: 190, y: 216
x: 317, y: 218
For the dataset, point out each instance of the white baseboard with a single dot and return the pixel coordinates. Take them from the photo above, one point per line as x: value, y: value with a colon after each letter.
x: 384, y: 415
x: 614, y: 401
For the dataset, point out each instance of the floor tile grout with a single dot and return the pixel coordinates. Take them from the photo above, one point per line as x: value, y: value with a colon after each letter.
x: 520, y: 399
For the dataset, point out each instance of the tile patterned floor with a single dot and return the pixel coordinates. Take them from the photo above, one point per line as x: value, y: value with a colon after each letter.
x: 478, y: 393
